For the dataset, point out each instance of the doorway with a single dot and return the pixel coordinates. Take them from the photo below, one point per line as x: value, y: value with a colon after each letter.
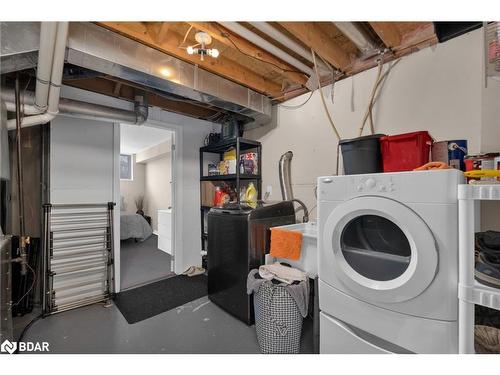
x: 145, y: 205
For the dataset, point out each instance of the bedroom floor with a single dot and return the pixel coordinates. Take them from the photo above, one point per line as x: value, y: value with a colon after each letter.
x: 142, y: 262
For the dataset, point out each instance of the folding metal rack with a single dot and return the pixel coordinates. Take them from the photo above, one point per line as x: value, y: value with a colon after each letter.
x: 471, y: 292
x: 78, y: 255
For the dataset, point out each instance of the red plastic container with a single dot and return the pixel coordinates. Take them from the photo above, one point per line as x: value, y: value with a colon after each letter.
x: 405, y: 152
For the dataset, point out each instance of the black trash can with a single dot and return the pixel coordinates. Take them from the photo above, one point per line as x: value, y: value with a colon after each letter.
x: 362, y: 154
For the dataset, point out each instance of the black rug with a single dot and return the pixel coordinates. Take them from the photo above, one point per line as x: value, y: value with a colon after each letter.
x: 153, y: 299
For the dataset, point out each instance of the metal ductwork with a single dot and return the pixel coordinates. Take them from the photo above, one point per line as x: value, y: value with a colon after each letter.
x: 93, y: 47
x: 285, y: 175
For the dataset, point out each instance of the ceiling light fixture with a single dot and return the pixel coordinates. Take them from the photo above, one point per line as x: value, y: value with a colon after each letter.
x: 203, y: 40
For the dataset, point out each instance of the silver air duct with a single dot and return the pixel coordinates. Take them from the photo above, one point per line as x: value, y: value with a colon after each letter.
x: 285, y: 176
x: 286, y: 184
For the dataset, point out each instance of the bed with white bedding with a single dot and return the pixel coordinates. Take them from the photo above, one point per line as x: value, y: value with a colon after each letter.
x: 134, y: 226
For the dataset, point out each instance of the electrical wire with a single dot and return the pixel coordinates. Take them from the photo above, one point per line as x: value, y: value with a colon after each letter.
x: 323, y: 98
x: 185, y: 36
x: 31, y: 287
x: 28, y: 326
x: 374, y: 97
x: 299, y: 105
x: 368, y: 112
x: 326, y: 110
x: 226, y: 35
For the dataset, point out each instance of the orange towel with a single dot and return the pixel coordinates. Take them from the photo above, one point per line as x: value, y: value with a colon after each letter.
x: 285, y: 244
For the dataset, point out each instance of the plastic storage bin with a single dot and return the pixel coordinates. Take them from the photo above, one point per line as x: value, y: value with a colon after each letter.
x: 405, y: 152
x: 362, y: 154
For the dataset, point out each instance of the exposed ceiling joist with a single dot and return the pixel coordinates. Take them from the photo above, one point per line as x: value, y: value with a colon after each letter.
x: 388, y: 32
x: 314, y: 37
x: 233, y: 40
x: 222, y: 66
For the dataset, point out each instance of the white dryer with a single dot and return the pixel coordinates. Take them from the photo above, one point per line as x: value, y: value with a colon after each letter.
x: 388, y: 262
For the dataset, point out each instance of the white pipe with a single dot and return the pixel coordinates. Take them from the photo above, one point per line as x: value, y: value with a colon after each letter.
x: 48, y: 32
x: 358, y: 36
x: 269, y: 47
x: 55, y: 80
x: 278, y: 36
x: 57, y: 68
x: 281, y: 38
x: 70, y: 107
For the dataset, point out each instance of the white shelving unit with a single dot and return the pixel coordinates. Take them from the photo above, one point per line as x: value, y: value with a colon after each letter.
x: 470, y: 292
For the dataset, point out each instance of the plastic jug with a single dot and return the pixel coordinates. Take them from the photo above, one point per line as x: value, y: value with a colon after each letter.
x: 251, y: 195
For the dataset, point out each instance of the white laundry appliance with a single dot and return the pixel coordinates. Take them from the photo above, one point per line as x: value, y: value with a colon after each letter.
x: 388, y: 262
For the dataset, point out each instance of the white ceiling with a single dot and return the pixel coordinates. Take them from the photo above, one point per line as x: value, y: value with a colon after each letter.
x: 134, y: 139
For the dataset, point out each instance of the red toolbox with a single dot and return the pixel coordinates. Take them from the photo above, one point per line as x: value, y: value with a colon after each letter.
x: 405, y: 152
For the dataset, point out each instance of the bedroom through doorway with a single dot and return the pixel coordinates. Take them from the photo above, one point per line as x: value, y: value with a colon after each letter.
x: 146, y: 240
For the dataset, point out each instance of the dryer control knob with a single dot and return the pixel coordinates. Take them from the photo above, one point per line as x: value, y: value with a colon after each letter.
x: 370, y: 183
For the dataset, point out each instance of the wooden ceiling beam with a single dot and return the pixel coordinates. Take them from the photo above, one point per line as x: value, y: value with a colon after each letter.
x: 420, y: 37
x: 162, y: 32
x: 222, y: 66
x: 388, y: 32
x: 315, y: 38
x: 228, y: 38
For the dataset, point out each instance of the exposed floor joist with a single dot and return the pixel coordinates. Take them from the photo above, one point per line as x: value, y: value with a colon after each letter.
x: 221, y: 66
x: 313, y: 37
x: 233, y: 40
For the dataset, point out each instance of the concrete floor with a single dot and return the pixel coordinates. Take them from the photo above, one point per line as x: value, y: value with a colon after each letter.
x: 142, y: 262
x: 198, y: 327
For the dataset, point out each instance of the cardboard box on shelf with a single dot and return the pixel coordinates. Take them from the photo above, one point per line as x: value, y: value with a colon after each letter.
x: 207, y: 193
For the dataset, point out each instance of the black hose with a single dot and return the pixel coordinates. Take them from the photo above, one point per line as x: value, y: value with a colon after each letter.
x: 28, y: 326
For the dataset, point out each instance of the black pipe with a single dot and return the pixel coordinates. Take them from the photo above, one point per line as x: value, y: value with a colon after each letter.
x: 20, y: 186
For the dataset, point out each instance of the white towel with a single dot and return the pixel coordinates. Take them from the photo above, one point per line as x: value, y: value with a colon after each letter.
x: 282, y: 273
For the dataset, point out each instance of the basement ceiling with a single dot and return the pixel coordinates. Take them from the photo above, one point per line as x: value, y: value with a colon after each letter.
x: 245, y: 63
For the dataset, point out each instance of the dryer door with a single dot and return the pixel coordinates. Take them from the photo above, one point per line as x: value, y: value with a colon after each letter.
x: 380, y: 250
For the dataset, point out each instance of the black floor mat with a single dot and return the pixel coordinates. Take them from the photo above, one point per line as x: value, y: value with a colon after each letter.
x: 153, y: 299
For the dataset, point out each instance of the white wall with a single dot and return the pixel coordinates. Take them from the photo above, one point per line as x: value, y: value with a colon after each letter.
x: 188, y: 137
x: 130, y: 190
x: 439, y: 89
x: 158, y: 191
x: 81, y: 161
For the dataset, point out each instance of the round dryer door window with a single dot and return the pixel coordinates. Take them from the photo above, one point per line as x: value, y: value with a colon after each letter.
x: 380, y: 249
x: 375, y: 247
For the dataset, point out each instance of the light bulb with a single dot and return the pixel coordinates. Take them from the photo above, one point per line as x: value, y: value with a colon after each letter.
x: 190, y: 50
x: 214, y: 52
x: 165, y: 72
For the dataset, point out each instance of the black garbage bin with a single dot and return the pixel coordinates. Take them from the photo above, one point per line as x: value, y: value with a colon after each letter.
x: 362, y: 154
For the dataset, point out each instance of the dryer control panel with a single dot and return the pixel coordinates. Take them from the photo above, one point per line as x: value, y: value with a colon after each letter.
x: 378, y: 184
x: 345, y: 187
x: 417, y: 187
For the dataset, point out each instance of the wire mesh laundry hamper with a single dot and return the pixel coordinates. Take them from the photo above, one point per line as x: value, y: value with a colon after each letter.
x: 278, y: 321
